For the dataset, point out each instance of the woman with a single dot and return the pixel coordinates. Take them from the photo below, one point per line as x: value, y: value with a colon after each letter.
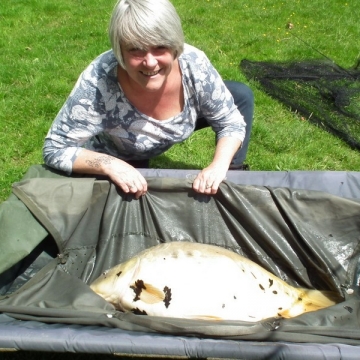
x: 147, y: 93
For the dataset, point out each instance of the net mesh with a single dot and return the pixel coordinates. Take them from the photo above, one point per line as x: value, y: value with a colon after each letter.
x: 319, y: 90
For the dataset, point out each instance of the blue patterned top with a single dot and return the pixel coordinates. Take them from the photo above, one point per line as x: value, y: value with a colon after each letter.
x: 98, y: 116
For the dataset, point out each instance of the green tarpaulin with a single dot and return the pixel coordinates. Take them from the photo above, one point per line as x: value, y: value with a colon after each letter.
x: 59, y: 233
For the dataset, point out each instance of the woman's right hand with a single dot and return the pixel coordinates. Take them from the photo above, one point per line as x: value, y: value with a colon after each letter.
x: 128, y: 178
x: 123, y: 175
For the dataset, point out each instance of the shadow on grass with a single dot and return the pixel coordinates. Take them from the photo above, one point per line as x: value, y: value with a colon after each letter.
x: 164, y: 162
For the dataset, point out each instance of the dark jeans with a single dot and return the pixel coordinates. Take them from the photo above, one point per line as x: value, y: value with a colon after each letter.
x: 244, y: 100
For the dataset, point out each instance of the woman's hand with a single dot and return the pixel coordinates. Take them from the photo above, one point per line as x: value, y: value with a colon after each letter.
x: 209, y: 179
x: 128, y: 178
x: 123, y: 175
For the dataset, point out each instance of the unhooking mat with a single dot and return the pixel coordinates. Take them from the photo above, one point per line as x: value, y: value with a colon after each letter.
x: 59, y: 233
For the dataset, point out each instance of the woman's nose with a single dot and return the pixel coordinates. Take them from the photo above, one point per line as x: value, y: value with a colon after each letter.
x: 150, y: 60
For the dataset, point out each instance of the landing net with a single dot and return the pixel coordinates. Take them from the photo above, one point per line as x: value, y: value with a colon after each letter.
x: 319, y: 90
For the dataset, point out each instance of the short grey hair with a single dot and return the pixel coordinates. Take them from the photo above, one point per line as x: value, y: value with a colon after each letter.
x: 145, y: 23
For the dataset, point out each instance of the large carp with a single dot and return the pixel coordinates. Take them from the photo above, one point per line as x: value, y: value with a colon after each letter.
x: 199, y: 281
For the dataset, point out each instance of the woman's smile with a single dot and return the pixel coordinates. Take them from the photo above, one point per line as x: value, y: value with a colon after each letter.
x: 150, y: 73
x: 148, y: 69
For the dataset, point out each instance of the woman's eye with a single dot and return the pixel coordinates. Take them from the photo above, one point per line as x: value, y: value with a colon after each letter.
x: 137, y: 52
x: 155, y: 51
x: 160, y: 49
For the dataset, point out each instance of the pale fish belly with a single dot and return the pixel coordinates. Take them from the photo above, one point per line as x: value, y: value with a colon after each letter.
x: 198, y: 281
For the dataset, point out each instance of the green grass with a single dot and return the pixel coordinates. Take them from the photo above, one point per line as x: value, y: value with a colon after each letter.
x: 46, y: 44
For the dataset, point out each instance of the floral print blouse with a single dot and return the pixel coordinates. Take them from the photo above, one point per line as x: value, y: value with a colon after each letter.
x: 98, y: 116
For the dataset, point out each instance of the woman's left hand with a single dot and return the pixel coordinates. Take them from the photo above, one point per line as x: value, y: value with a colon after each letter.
x: 209, y: 179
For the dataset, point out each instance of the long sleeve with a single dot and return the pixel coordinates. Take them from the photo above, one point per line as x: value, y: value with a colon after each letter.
x: 211, y: 96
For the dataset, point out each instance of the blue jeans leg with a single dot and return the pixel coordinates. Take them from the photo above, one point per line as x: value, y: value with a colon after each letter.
x: 244, y: 100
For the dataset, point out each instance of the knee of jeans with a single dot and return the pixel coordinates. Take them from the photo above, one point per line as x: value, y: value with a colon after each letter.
x: 241, y: 93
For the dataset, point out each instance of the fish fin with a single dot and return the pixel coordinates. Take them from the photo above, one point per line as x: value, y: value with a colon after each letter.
x: 151, y: 294
x: 311, y: 300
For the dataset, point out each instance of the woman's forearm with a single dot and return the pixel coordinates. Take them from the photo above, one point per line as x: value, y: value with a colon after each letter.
x: 225, y: 150
x: 120, y: 172
x: 91, y: 162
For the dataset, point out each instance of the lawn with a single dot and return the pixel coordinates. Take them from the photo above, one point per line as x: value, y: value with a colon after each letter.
x: 46, y: 44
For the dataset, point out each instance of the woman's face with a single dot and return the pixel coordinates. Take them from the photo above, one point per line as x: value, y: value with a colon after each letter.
x: 148, y: 69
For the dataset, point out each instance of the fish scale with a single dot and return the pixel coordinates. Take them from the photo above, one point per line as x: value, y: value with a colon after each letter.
x: 201, y: 281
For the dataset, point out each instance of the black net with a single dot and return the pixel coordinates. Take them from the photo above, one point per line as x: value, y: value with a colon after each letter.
x: 319, y: 90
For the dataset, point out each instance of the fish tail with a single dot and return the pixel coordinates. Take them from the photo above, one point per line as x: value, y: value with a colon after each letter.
x: 311, y: 300
x: 316, y: 299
